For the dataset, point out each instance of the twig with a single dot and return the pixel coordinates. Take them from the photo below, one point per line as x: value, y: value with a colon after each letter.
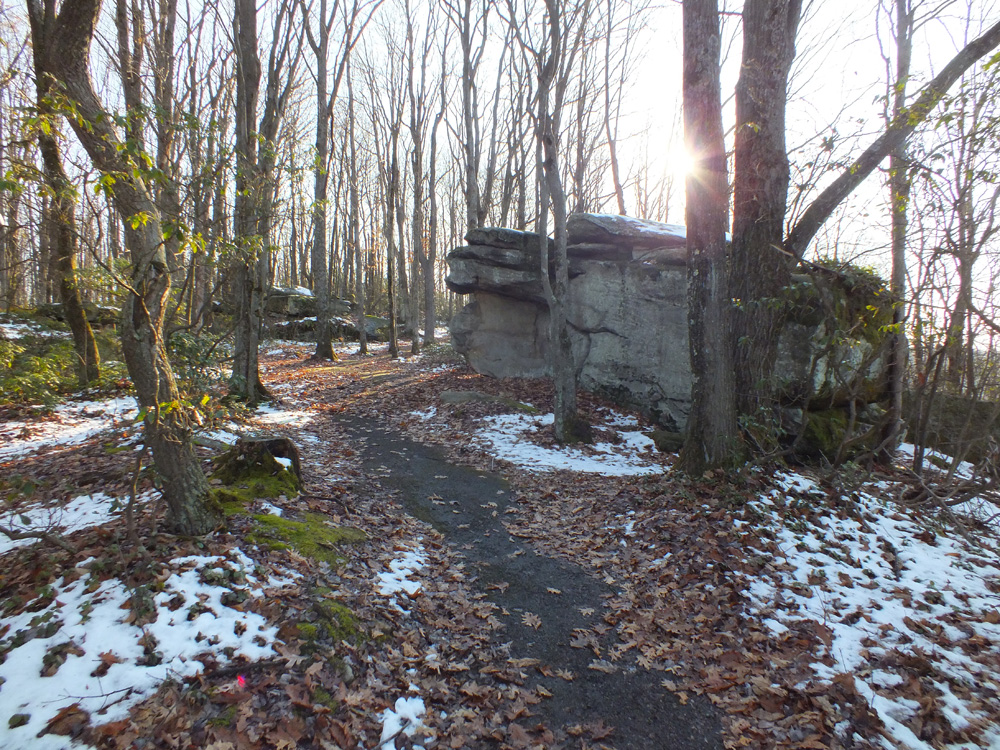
x: 45, y: 536
x: 236, y: 669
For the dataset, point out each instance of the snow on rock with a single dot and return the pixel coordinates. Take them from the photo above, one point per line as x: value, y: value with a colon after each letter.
x: 507, y: 437
x: 77, y: 644
x: 884, y: 591
x: 70, y: 424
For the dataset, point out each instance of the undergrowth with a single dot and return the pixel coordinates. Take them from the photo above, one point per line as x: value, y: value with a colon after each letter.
x: 39, y: 369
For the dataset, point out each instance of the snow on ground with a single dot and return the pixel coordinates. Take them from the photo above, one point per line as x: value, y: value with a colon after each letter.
x: 69, y: 424
x: 964, y: 470
x: 406, y: 719
x: 77, y: 643
x: 79, y: 513
x: 274, y: 416
x: 285, y: 348
x: 15, y: 331
x: 891, y: 598
x: 399, y: 578
x: 507, y: 436
x: 223, y: 436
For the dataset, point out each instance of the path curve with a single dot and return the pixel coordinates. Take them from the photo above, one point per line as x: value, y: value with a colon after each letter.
x: 467, y: 506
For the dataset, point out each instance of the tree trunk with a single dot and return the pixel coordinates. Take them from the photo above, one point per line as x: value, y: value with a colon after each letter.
x: 430, y: 312
x: 759, y: 271
x: 245, y: 381
x: 60, y: 216
x: 355, y: 230
x: 899, y: 195
x: 166, y: 419
x: 712, y: 439
x: 318, y: 258
x: 568, y: 427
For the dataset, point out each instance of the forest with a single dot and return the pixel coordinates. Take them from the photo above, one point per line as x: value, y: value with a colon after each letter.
x: 289, y: 509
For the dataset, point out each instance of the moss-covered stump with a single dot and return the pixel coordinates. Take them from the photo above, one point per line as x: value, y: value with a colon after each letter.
x: 256, y: 470
x: 315, y: 536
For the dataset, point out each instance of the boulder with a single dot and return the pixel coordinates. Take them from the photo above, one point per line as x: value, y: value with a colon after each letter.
x: 510, y: 272
x: 954, y: 424
x: 97, y: 315
x: 627, y: 308
x: 292, y: 302
x: 506, y: 239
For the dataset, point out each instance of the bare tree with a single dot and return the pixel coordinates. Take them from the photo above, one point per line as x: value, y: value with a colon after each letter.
x: 554, y: 54
x: 167, y: 420
x: 470, y: 20
x: 355, y: 218
x: 255, y: 187
x: 354, y: 19
x: 430, y: 299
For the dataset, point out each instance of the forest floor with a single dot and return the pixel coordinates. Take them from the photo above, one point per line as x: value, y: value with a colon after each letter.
x: 451, y: 578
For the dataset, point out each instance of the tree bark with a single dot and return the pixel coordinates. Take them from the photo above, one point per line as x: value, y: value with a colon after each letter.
x: 899, y: 200
x: 355, y: 229
x: 255, y: 185
x: 568, y: 427
x: 318, y: 257
x: 712, y: 439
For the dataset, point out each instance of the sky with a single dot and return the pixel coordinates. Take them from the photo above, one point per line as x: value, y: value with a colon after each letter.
x: 838, y: 81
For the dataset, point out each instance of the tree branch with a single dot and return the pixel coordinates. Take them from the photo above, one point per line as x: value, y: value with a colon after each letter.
x: 897, y: 132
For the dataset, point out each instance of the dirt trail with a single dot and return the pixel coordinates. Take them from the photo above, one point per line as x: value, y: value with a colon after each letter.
x: 468, y: 506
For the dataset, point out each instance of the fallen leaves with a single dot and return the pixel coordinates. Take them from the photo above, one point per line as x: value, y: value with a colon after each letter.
x: 531, y: 620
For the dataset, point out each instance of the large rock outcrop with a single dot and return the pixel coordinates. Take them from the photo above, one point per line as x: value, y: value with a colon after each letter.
x: 627, y: 309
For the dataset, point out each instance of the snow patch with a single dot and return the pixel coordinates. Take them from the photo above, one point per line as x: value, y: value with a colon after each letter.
x: 507, y: 437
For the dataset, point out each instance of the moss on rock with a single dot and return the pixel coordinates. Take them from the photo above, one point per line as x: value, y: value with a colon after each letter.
x: 824, y: 432
x: 312, y: 537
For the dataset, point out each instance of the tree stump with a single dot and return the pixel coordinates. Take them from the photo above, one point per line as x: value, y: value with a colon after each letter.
x: 253, y: 457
